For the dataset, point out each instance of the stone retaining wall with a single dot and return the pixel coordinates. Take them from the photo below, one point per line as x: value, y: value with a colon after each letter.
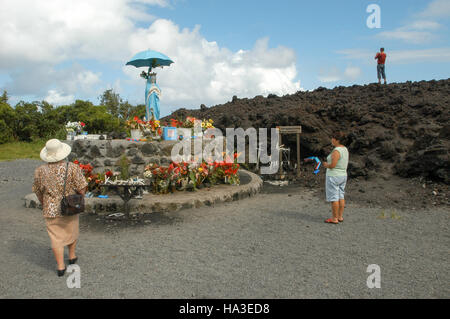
x: 106, y: 154
x: 168, y: 202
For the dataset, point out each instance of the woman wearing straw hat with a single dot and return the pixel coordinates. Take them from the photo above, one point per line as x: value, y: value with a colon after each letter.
x: 48, y: 186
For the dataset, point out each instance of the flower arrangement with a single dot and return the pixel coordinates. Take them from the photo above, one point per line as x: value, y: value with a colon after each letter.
x: 175, y: 123
x: 206, y: 124
x: 74, y: 126
x: 191, y: 122
x: 176, y: 176
x: 135, y: 124
x: 94, y: 180
x: 154, y: 126
x: 161, y: 178
x: 227, y: 170
x: 181, y: 176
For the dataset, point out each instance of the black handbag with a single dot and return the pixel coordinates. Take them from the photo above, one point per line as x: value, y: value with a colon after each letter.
x: 72, y: 204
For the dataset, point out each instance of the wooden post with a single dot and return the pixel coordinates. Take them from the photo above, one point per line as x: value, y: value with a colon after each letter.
x: 280, y: 155
x: 289, y: 130
x: 298, y: 154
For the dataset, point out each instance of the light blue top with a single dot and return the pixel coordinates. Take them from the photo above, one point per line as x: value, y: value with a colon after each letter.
x: 341, y: 167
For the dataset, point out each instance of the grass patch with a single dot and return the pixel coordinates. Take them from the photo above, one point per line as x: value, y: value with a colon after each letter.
x: 394, y: 215
x: 382, y: 215
x: 17, y: 150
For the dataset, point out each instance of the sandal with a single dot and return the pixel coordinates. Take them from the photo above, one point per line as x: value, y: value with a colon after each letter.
x: 330, y: 221
x: 61, y: 272
x: 341, y: 220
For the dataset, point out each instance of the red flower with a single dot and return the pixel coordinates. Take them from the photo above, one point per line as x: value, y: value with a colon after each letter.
x: 76, y: 162
x: 82, y: 124
x: 109, y: 173
x: 136, y: 119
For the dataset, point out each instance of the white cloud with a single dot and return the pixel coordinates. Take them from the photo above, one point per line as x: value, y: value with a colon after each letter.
x: 38, y: 80
x: 424, y: 25
x: 42, y: 39
x: 352, y: 72
x: 417, y: 32
x: 334, y: 74
x: 410, y: 36
x: 53, y: 31
x: 37, y: 36
x: 437, y: 9
x: 204, y: 72
x: 427, y: 55
x: 329, y: 76
x: 56, y: 98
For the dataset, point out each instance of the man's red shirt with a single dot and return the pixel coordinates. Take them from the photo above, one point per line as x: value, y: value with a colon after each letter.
x: 381, y: 57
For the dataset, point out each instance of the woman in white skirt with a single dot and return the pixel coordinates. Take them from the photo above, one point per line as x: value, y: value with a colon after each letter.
x: 48, y: 186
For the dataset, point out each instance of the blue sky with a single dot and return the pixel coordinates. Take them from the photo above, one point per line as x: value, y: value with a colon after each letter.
x: 62, y: 50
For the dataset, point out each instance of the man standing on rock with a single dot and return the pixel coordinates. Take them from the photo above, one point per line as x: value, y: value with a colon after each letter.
x: 381, y: 57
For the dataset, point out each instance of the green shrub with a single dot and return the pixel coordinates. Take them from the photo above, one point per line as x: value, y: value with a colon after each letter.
x: 7, y: 117
x: 6, y: 133
x: 124, y: 167
x: 40, y: 120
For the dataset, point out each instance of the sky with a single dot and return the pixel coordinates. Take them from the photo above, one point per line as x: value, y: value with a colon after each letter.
x: 64, y: 50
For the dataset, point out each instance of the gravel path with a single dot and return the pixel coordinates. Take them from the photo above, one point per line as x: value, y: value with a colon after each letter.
x: 274, y: 245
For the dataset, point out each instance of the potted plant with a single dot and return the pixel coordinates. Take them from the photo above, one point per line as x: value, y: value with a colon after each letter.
x: 185, y: 129
x: 154, y: 128
x: 74, y: 128
x: 207, y: 124
x: 136, y: 126
x: 71, y: 128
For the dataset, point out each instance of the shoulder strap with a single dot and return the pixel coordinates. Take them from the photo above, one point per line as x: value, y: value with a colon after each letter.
x: 65, y: 180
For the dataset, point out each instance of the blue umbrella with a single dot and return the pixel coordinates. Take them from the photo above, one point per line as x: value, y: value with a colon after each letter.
x: 151, y: 59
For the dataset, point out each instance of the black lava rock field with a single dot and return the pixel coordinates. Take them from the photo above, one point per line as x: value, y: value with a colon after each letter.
x: 398, y: 129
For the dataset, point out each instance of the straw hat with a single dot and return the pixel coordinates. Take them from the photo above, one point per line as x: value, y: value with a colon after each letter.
x: 55, y: 151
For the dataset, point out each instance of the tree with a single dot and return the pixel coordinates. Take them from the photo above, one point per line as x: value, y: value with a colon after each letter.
x: 6, y: 133
x: 112, y: 101
x: 7, y: 118
x: 26, y: 120
x: 138, y: 111
x: 4, y: 97
x: 98, y: 120
x: 125, y: 110
x: 50, y: 126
